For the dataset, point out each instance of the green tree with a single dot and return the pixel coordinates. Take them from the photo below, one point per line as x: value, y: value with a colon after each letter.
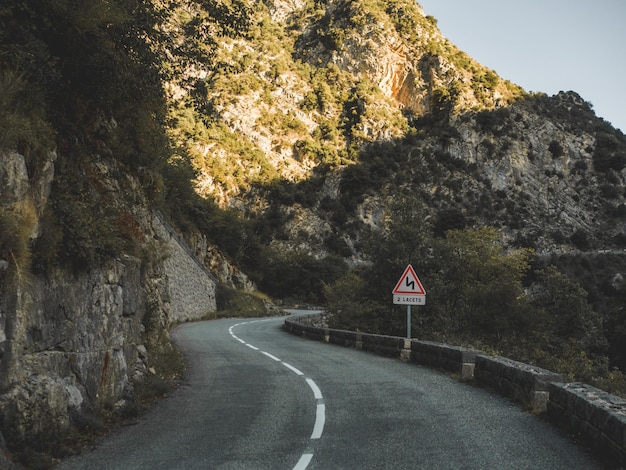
x: 405, y: 239
x: 571, y: 338
x: 363, y: 298
x: 300, y: 275
x: 477, y: 291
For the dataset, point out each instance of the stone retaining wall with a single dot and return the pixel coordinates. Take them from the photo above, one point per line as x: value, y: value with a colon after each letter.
x: 455, y: 359
x: 344, y: 338
x: 599, y: 418
x: 191, y: 286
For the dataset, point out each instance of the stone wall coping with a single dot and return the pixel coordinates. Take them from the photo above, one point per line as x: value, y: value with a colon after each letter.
x: 466, y: 354
x: 518, y: 371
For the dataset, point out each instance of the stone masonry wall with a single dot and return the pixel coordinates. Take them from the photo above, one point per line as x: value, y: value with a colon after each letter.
x: 191, y: 286
x: 595, y: 415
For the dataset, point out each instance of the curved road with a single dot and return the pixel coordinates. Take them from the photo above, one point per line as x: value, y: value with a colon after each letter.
x: 255, y: 397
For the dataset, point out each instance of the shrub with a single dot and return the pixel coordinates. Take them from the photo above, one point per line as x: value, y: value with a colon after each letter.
x: 232, y: 302
x: 14, y: 125
x: 556, y: 149
x: 610, y: 151
x: 580, y: 239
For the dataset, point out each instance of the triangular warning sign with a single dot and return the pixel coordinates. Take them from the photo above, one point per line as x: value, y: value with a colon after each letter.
x: 409, y: 283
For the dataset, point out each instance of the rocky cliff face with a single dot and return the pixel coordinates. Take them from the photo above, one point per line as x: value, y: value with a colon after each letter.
x: 73, y: 344
x: 331, y: 79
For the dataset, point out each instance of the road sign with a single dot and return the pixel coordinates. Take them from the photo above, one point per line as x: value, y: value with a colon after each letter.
x: 409, y: 291
x: 409, y: 284
x: 405, y: 299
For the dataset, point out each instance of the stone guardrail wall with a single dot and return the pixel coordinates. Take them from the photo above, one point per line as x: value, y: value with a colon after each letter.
x: 595, y: 415
x: 523, y: 383
x: 599, y: 418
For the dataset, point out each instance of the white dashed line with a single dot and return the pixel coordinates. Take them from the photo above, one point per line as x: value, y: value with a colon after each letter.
x: 292, y: 368
x: 320, y: 420
x: 271, y: 356
x: 320, y: 411
x: 316, y: 391
x: 304, y: 462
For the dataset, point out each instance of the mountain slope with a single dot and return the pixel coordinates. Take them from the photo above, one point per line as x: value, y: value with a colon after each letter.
x: 311, y: 118
x: 308, y: 82
x: 306, y: 87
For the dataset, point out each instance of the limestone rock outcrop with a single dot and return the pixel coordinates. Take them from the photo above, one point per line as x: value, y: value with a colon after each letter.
x: 75, y: 343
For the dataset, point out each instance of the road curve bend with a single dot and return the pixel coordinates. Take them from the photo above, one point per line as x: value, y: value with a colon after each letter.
x: 255, y: 397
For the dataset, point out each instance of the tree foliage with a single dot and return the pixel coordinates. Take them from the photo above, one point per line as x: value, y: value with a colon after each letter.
x: 478, y: 294
x: 571, y: 333
x: 478, y: 285
x: 299, y: 275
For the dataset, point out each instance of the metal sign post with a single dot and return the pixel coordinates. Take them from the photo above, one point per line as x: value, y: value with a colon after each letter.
x: 408, y: 321
x: 409, y: 291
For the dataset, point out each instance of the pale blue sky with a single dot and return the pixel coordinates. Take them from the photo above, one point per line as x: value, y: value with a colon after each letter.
x: 546, y: 45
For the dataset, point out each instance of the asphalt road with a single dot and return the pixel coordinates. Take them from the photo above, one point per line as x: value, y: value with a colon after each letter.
x: 256, y: 397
